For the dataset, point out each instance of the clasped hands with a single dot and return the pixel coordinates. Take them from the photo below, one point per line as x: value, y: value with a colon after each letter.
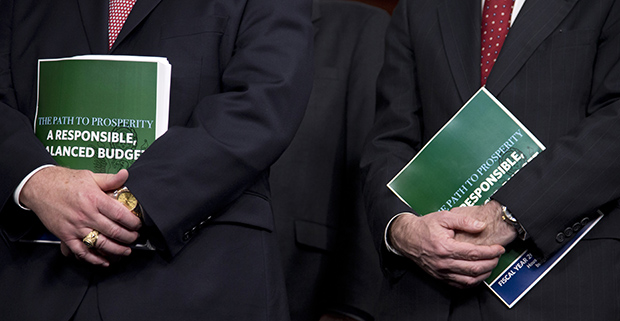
x: 72, y: 203
x: 460, y: 246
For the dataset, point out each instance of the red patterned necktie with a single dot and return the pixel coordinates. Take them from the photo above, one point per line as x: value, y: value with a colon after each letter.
x: 119, y: 10
x: 495, y: 25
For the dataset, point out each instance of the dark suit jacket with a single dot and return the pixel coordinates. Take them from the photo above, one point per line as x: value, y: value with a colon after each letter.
x: 329, y: 259
x: 241, y: 73
x: 559, y: 73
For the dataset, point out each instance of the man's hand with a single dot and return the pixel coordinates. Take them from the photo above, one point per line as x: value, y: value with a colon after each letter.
x: 71, y: 203
x: 496, y: 232
x: 429, y: 242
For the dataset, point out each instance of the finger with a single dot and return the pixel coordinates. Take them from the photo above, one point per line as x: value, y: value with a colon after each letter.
x: 463, y: 223
x: 109, y: 182
x: 116, y: 213
x: 467, y: 268
x: 472, y: 252
x: 106, y: 247
x: 457, y: 279
x: 465, y: 281
x: 82, y: 253
x: 115, y: 231
x: 64, y: 249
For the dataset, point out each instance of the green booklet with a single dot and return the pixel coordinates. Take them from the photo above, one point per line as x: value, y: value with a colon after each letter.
x: 100, y: 112
x: 467, y: 161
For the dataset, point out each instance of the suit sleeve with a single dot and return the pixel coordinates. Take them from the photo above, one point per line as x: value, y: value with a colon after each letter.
x: 195, y: 171
x: 580, y: 172
x: 21, y: 151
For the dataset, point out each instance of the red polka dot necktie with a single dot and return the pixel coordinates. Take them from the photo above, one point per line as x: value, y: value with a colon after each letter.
x: 119, y: 10
x: 495, y: 25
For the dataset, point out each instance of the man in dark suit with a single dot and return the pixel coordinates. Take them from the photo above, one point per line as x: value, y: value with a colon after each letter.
x: 241, y: 77
x: 330, y: 263
x: 559, y: 73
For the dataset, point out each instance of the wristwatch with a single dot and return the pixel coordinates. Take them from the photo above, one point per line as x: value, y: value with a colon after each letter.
x: 508, y: 218
x: 124, y: 196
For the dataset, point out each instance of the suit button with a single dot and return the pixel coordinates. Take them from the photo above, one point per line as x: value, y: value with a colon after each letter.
x: 203, y: 223
x: 186, y: 236
x: 568, y: 232
x: 560, y: 237
x: 585, y: 221
x: 576, y: 227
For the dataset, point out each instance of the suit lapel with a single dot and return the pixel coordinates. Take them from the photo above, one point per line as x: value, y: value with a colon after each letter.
x: 139, y: 12
x: 461, y: 38
x: 536, y: 21
x: 94, y: 15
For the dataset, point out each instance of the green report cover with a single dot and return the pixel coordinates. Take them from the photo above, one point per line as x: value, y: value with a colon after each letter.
x: 100, y: 112
x: 469, y: 159
x: 474, y: 154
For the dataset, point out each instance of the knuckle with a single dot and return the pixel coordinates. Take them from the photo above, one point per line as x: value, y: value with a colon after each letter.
x: 85, y: 198
x: 89, y: 197
x: 456, y: 210
x: 464, y: 221
x: 439, y: 265
x: 117, y: 213
x: 444, y: 252
x: 80, y: 254
x: 477, y: 270
x: 114, y: 232
x: 81, y: 219
x: 101, y: 242
x: 474, y: 255
x: 435, y: 247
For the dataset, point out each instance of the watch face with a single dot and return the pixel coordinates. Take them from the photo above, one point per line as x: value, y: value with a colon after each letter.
x: 128, y: 200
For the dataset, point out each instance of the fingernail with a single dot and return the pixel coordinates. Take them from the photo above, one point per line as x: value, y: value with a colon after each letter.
x: 479, y: 224
x: 127, y: 252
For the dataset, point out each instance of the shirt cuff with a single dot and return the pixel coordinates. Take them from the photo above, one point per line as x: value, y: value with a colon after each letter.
x: 385, y: 234
x: 19, y: 188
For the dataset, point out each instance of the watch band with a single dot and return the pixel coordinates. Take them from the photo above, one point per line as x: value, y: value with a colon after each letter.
x: 508, y: 218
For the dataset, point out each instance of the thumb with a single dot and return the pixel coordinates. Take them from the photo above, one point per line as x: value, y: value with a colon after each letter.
x: 108, y: 182
x: 464, y: 223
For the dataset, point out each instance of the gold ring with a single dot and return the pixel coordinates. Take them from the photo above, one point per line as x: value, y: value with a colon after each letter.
x: 91, y: 239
